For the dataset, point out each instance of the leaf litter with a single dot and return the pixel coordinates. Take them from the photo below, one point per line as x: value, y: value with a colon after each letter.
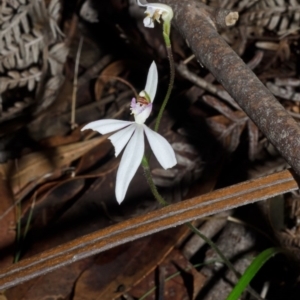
x: 71, y: 175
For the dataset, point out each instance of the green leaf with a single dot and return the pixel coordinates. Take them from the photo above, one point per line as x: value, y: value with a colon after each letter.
x: 251, y: 271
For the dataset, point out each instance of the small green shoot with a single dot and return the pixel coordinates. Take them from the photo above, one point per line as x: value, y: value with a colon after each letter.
x: 19, y: 238
x: 251, y: 271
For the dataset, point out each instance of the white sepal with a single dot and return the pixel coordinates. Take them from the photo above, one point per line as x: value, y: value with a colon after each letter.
x: 130, y: 162
x: 152, y: 80
x: 106, y: 126
x: 161, y: 148
x: 121, y: 138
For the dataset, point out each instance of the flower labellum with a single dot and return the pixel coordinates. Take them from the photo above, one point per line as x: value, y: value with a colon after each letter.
x: 154, y: 11
x: 131, y: 135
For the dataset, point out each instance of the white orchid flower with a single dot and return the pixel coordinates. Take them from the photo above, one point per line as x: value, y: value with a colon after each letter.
x: 132, y: 135
x: 154, y: 11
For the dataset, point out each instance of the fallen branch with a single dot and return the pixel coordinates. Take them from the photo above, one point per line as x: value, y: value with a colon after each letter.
x: 164, y: 218
x: 198, y: 24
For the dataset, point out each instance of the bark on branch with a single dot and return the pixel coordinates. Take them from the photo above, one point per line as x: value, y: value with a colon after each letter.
x: 198, y: 24
x: 158, y: 220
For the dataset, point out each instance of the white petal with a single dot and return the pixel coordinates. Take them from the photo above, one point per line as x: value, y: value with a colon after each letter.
x: 121, y: 138
x: 161, y: 148
x: 151, y: 84
x: 160, y: 7
x: 130, y: 162
x: 106, y: 126
x: 148, y: 22
x: 157, y: 6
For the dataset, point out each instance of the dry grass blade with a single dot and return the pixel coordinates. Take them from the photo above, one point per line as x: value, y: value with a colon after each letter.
x: 167, y: 217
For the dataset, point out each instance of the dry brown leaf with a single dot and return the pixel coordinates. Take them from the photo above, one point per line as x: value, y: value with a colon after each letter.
x: 91, y: 157
x: 114, y: 69
x: 59, y: 140
x: 185, y: 285
x: 43, y: 287
x: 227, y: 131
x: 53, y: 201
x: 7, y: 224
x: 38, y: 165
x: 125, y: 266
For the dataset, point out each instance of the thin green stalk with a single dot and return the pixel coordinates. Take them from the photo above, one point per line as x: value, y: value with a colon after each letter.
x: 29, y: 217
x: 163, y: 202
x: 225, y: 260
x: 19, y: 242
x: 145, y: 163
x: 147, y: 172
x: 166, y: 33
x: 214, y: 246
x: 170, y: 87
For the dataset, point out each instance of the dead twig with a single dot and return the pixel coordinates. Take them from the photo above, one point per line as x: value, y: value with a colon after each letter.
x: 167, y: 217
x: 75, y: 85
x: 202, y: 83
x: 198, y: 24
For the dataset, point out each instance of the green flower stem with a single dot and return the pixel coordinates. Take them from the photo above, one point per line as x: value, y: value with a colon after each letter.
x: 163, y: 202
x: 215, y: 247
x: 167, y: 39
x: 146, y: 167
x: 147, y: 172
x: 224, y: 259
x: 171, y: 83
